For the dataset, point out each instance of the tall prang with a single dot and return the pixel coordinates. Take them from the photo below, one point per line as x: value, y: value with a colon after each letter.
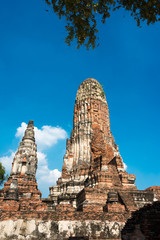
x: 21, y: 190
x: 92, y: 158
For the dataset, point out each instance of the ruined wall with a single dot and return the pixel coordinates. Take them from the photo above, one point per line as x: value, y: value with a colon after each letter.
x: 38, y: 229
x: 144, y: 224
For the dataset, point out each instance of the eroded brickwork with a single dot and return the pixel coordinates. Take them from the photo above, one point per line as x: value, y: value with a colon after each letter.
x: 144, y: 224
x: 92, y: 157
x: 20, y: 192
x: 94, y: 196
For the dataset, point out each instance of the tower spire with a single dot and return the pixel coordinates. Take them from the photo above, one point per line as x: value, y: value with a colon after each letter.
x: 29, y: 132
x: 21, y: 185
x: 25, y: 160
x: 92, y: 157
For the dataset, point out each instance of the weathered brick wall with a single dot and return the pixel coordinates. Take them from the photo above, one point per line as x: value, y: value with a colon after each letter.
x: 155, y: 190
x: 52, y: 230
x: 62, y: 223
x: 144, y: 224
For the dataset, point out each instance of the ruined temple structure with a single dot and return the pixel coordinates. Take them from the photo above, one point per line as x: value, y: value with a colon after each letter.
x: 20, y: 192
x: 93, y: 198
x: 93, y: 175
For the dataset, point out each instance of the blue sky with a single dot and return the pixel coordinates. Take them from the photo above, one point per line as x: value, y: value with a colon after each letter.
x: 40, y: 75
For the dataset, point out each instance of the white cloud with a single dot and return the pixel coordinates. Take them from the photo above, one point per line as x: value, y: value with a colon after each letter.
x: 45, y: 176
x: 41, y: 158
x: 45, y: 137
x: 21, y: 130
x: 48, y: 136
x: 125, y: 166
x: 7, y: 161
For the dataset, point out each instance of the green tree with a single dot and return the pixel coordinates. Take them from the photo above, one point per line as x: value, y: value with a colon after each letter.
x: 81, y: 15
x: 3, y: 177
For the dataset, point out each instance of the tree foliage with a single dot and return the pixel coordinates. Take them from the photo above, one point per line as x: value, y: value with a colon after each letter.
x: 2, y: 174
x: 81, y: 15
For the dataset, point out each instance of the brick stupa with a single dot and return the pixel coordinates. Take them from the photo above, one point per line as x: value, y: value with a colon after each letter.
x: 93, y: 175
x: 20, y: 192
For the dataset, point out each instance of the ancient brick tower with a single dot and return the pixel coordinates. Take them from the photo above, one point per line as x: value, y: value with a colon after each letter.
x: 20, y: 192
x: 92, y: 161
